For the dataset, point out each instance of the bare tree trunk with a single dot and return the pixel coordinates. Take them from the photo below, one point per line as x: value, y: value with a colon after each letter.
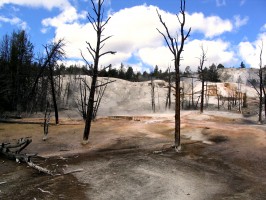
x: 168, y: 97
x: 192, y: 93
x: 202, y: 96
x: 202, y: 76
x: 90, y: 106
x: 152, y: 96
x: 264, y: 92
x: 98, y: 26
x: 46, y: 121
x: 261, y: 87
x: 177, y: 109
x: 176, y: 49
x: 54, y: 95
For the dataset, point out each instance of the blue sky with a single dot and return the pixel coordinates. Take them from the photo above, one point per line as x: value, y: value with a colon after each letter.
x: 231, y: 31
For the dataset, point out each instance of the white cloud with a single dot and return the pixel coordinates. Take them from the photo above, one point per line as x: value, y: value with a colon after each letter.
x: 218, y: 51
x: 210, y: 26
x: 69, y: 15
x: 14, y: 21
x: 38, y: 3
x: 134, y: 37
x: 130, y: 33
x: 250, y: 51
x: 238, y: 21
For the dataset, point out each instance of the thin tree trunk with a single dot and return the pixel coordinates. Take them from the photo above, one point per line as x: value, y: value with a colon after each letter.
x: 177, y: 109
x: 98, y: 26
x: 90, y: 109
x: 202, y: 96
x: 192, y: 93
x: 54, y: 95
x: 93, y: 82
x: 260, y: 96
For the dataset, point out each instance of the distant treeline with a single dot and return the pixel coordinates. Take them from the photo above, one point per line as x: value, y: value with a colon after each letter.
x: 19, y: 69
x: 127, y: 73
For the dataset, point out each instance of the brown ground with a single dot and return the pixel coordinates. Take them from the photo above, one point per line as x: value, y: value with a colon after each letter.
x: 223, y: 157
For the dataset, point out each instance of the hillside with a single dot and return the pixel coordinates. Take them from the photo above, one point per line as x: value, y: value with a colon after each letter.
x: 233, y: 74
x: 123, y: 97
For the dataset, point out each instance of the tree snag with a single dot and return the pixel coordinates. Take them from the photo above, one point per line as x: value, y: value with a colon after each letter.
x: 99, y: 26
x: 202, y: 76
x: 176, y: 49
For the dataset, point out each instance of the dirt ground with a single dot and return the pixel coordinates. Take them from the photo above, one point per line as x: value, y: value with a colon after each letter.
x: 223, y: 157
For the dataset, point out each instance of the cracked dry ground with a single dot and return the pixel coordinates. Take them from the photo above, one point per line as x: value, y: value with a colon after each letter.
x: 222, y: 157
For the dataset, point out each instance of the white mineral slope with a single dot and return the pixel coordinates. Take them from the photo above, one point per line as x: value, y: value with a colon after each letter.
x: 134, y: 98
x: 238, y: 74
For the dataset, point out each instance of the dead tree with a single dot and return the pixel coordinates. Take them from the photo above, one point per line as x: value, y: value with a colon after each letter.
x: 261, y: 85
x: 152, y: 95
x: 202, y: 76
x: 102, y: 85
x: 169, y: 90
x: 13, y: 152
x: 99, y: 26
x: 239, y: 94
x: 51, y: 65
x: 81, y: 101
x: 192, y: 92
x: 46, y: 122
x: 176, y: 48
x: 260, y: 89
x: 54, y: 52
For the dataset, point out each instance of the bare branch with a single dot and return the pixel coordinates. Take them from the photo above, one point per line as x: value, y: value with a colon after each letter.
x: 107, y: 52
x: 109, y: 66
x: 84, y: 81
x: 254, y: 86
x: 106, y: 22
x: 87, y: 62
x: 94, y: 7
x: 165, y: 39
x: 92, y: 21
x: 92, y: 49
x: 103, y: 40
x: 102, y: 46
x: 105, y: 83
x: 172, y: 45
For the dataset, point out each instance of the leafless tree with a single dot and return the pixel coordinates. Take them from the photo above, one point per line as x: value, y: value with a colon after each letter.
x: 202, y: 75
x: 260, y: 89
x: 176, y: 49
x: 95, y: 52
x: 261, y: 85
x: 46, y: 120
x: 152, y: 95
x: 169, y: 90
x: 82, y: 105
x: 52, y: 62
x: 54, y: 52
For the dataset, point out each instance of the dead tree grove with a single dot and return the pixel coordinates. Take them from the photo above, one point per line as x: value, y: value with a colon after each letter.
x: 95, y: 52
x: 176, y: 49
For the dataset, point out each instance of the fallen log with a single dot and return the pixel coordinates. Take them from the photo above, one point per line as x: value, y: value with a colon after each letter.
x: 13, y: 152
x: 40, y: 169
